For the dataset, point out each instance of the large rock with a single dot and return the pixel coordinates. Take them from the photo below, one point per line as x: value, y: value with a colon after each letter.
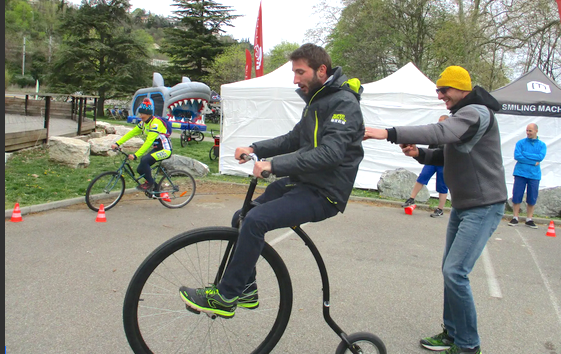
x: 548, y: 204
x: 121, y: 130
x: 399, y: 183
x: 102, y: 146
x: 71, y: 152
x: 194, y: 167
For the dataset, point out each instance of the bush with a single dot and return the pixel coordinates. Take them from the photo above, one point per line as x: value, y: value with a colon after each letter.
x: 24, y: 80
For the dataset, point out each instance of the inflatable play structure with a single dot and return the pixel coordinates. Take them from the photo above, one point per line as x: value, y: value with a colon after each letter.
x: 185, y: 104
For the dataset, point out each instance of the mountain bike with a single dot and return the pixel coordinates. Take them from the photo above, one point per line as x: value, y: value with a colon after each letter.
x: 214, y: 151
x: 175, y: 188
x: 156, y: 320
x: 191, y: 133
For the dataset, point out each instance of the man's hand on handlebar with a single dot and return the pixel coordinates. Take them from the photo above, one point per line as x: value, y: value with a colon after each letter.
x: 262, y: 169
x: 243, y: 151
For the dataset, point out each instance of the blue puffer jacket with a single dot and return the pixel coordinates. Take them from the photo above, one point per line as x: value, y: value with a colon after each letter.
x: 527, y: 153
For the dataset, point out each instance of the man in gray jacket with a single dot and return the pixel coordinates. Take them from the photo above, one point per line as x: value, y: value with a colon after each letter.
x: 319, y: 158
x: 473, y: 171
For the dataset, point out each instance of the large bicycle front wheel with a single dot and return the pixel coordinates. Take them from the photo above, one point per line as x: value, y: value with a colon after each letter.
x: 180, y: 188
x: 107, y: 189
x: 156, y: 319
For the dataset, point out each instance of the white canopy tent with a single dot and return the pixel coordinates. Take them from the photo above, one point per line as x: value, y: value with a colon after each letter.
x: 268, y: 106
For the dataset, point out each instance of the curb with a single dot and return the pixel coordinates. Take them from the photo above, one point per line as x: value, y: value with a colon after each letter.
x: 68, y: 202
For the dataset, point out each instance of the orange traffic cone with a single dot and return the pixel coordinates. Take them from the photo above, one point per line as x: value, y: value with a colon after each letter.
x: 101, y: 214
x: 409, y: 209
x: 165, y: 197
x: 16, y: 215
x: 551, y: 229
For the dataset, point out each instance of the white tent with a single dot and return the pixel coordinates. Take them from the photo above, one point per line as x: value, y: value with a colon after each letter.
x: 268, y: 106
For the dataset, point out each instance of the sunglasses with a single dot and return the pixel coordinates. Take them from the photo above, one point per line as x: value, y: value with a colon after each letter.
x: 442, y: 90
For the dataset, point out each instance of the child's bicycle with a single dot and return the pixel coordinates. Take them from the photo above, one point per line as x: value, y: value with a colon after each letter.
x: 174, y: 189
x: 156, y: 320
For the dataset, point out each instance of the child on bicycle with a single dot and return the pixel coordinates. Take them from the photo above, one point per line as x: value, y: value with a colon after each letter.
x: 155, y: 131
x: 319, y: 158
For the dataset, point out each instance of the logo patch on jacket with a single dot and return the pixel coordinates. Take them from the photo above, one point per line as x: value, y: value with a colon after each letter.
x: 338, y: 118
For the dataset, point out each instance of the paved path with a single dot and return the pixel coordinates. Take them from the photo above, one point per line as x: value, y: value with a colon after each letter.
x: 66, y: 276
x: 57, y: 126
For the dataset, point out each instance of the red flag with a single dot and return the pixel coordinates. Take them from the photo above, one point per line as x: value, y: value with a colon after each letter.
x: 559, y: 8
x: 258, y: 45
x: 247, y: 64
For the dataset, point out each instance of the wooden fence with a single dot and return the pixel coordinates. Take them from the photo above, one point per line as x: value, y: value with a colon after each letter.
x: 75, y: 110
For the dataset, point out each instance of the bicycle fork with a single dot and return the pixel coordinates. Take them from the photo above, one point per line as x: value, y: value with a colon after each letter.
x: 325, y: 285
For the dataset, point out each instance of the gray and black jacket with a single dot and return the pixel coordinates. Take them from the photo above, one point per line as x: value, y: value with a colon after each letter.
x: 472, y: 158
x: 324, y: 148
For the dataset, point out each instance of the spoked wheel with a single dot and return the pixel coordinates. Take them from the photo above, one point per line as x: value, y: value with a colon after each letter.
x: 213, y: 153
x: 180, y: 189
x: 197, y: 135
x: 107, y: 189
x: 364, y: 343
x: 156, y: 319
x: 184, y: 138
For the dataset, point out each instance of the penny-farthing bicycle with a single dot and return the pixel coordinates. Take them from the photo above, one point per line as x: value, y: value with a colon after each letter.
x: 156, y: 320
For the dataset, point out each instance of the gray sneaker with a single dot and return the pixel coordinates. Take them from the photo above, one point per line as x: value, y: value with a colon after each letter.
x: 439, y: 342
x: 532, y: 224
x: 437, y: 212
x: 408, y: 202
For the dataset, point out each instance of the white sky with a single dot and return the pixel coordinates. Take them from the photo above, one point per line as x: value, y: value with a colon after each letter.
x: 283, y: 20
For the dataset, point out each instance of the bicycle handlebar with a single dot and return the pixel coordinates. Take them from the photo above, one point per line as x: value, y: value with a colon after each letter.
x: 254, y: 157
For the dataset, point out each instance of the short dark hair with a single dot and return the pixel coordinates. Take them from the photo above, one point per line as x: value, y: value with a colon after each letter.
x: 314, y: 55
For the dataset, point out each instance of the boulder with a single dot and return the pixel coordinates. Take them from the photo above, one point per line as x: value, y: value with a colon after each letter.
x: 548, y: 204
x: 399, y: 183
x: 71, y: 152
x: 194, y: 167
x: 102, y: 146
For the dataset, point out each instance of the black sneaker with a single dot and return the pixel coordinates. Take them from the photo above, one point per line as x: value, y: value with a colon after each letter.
x: 249, y: 299
x: 513, y: 222
x: 208, y: 300
x: 454, y: 349
x: 438, y: 342
x: 408, y: 202
x: 144, y: 187
x: 531, y: 223
x: 437, y: 212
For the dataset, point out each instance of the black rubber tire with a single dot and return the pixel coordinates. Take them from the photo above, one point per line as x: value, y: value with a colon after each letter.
x: 183, y: 138
x: 97, y: 193
x: 197, y: 135
x: 212, y: 153
x: 364, y: 340
x: 156, y: 320
x: 182, y: 194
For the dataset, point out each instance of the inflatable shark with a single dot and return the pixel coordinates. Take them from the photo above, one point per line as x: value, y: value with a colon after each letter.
x: 185, y: 102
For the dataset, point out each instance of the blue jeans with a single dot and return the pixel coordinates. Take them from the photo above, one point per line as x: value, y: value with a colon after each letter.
x: 283, y: 204
x: 467, y: 234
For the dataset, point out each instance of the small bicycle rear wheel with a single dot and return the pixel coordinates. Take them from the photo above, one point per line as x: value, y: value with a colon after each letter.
x: 107, y: 189
x: 197, y: 135
x: 180, y: 188
x: 212, y: 153
x: 156, y: 319
x: 184, y: 138
x: 364, y: 342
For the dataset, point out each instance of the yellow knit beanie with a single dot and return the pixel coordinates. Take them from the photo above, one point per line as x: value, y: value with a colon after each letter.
x: 456, y: 77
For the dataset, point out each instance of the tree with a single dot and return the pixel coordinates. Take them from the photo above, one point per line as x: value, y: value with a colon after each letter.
x: 100, y: 54
x: 279, y: 55
x: 194, y: 43
x: 228, y: 67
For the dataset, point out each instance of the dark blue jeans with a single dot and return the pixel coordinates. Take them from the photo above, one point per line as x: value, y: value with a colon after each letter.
x: 283, y: 204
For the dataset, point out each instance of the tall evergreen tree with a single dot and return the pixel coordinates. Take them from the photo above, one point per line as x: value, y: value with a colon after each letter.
x: 194, y: 42
x: 100, y: 54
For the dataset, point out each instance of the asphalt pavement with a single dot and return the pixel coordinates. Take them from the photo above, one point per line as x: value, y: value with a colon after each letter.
x: 66, y: 276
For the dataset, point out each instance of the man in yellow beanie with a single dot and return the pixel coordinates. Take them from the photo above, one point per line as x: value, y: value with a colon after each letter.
x: 474, y: 174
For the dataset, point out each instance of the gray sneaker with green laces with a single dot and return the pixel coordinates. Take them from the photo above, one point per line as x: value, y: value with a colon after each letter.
x: 439, y: 342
